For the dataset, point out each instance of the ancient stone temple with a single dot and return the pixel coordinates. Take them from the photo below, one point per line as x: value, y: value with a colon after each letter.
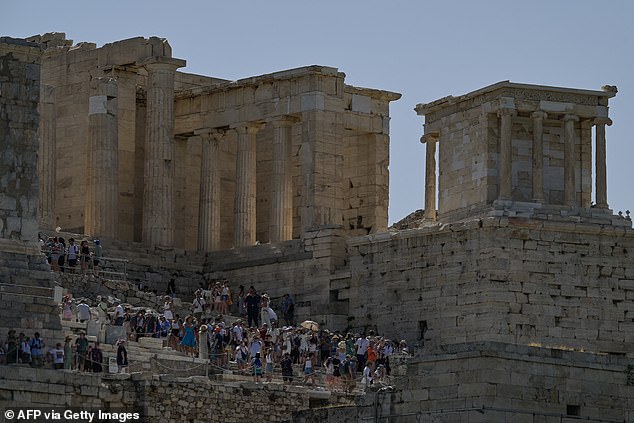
x: 515, y: 292
x: 136, y: 150
x: 516, y: 150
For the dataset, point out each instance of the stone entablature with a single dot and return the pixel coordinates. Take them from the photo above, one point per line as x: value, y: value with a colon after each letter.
x: 509, y: 143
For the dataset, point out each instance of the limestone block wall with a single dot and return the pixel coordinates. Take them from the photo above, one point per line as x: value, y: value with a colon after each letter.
x: 20, y: 88
x: 26, y: 284
x: 164, y: 397
x: 490, y: 382
x: 510, y: 280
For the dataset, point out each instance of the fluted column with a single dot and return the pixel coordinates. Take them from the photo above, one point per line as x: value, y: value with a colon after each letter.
x: 506, y: 152
x: 538, y: 156
x: 47, y: 156
x: 430, y: 174
x: 601, y: 178
x: 210, y: 192
x: 101, y: 208
x: 158, y: 195
x: 244, y: 206
x: 281, y: 226
x: 569, y: 159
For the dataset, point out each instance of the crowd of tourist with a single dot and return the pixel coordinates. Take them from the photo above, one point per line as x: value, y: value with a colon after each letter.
x: 255, y: 339
x: 78, y: 355
x: 66, y: 258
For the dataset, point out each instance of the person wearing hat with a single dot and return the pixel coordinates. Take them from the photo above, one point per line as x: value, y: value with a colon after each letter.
x: 68, y: 353
x: 122, y: 356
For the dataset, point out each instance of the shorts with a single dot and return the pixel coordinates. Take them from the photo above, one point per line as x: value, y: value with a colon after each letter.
x: 72, y: 262
x: 309, y: 371
x: 95, y: 262
x: 257, y: 371
x: 224, y: 297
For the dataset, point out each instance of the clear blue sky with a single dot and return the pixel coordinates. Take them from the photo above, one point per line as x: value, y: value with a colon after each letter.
x: 422, y: 49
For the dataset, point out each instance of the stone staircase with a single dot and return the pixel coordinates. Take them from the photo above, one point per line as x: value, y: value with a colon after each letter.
x: 145, y: 355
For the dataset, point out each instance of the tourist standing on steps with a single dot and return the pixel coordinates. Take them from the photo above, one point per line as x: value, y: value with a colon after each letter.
x: 73, y: 254
x: 167, y: 308
x: 287, y: 369
x: 256, y: 363
x: 96, y: 358
x: 198, y: 305
x: 68, y: 353
x: 118, y: 314
x: 122, y: 356
x: 84, y: 256
x: 81, y: 346
x: 189, y: 340
x: 171, y: 286
x: 288, y: 309
x: 57, y: 354
x: 242, y: 311
x: 252, y: 303
x: 97, y: 258
x: 362, y: 349
x: 37, y: 350
x: 102, y: 310
x: 309, y: 369
x: 61, y: 248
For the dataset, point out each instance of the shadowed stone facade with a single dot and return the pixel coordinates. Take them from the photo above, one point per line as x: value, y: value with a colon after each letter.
x: 26, y: 283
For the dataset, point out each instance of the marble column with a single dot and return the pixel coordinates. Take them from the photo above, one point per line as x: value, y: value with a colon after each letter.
x: 281, y: 223
x: 570, y: 197
x: 47, y: 156
x: 210, y: 192
x: 244, y: 205
x: 158, y: 195
x: 430, y: 141
x: 506, y: 153
x: 601, y: 178
x: 101, y: 210
x: 538, y: 156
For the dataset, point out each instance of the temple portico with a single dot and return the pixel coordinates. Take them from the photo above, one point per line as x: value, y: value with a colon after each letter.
x: 179, y: 160
x: 517, y: 149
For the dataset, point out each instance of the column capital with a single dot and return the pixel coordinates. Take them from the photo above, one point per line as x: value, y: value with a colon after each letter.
x: 507, y: 111
x: 162, y: 62
x: 602, y: 121
x: 539, y: 114
x: 430, y: 137
x: 570, y: 117
x: 251, y: 128
x: 284, y: 121
x: 216, y: 134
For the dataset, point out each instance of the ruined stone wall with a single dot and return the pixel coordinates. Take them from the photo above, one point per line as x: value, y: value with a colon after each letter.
x: 26, y: 284
x: 158, y: 398
x: 20, y: 88
x: 509, y: 280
